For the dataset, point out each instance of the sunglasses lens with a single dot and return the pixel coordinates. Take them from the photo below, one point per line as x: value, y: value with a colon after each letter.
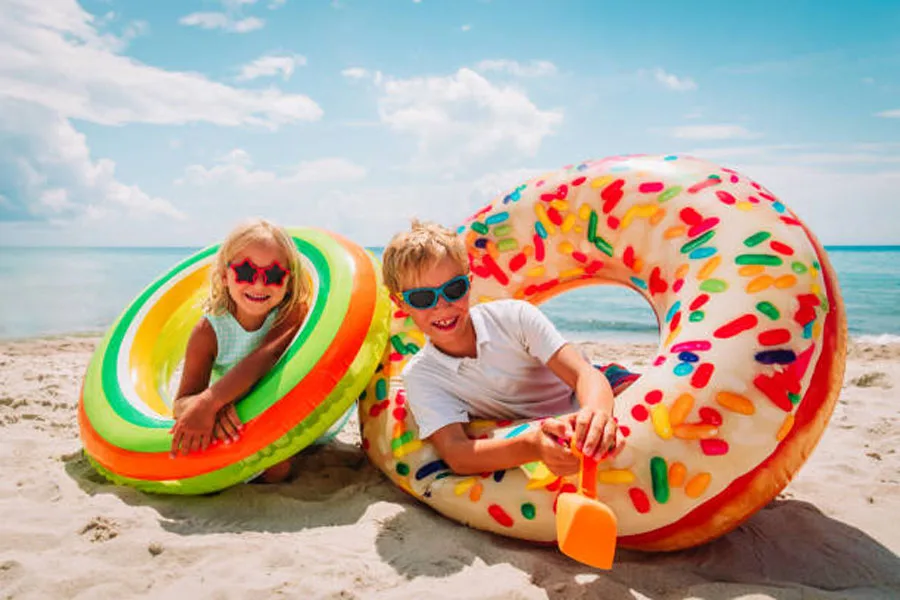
x: 422, y: 299
x: 244, y: 272
x: 456, y: 289
x: 275, y: 275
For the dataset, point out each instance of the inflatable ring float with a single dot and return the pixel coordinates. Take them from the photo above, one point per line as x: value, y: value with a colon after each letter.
x: 124, y: 413
x: 749, y: 366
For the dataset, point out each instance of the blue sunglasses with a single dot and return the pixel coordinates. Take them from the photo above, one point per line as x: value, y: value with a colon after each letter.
x: 427, y: 297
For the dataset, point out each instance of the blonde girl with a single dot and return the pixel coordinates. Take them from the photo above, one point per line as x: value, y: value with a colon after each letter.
x: 257, y: 301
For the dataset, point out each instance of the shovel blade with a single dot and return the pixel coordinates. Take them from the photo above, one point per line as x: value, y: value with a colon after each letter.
x: 586, y: 530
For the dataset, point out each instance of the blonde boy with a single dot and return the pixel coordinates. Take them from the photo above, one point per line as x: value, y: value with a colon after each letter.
x: 502, y: 359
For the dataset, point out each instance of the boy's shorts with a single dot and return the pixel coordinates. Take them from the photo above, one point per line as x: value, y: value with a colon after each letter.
x: 618, y: 376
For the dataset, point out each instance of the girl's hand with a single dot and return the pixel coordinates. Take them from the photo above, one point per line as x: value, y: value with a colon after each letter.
x: 553, y: 447
x: 193, y: 429
x: 596, y: 433
x: 228, y: 425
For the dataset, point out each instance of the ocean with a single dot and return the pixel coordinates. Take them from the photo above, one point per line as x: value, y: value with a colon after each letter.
x: 60, y: 291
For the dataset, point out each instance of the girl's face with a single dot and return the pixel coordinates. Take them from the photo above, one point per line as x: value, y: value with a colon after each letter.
x: 257, y: 281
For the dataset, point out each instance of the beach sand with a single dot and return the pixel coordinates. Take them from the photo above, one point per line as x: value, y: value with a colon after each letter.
x: 340, y: 530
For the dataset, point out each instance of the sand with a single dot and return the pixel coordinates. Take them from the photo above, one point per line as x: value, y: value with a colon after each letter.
x: 340, y: 530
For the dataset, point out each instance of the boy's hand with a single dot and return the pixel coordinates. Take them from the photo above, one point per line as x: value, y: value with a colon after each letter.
x: 193, y: 429
x: 228, y: 425
x: 553, y: 447
x: 596, y: 433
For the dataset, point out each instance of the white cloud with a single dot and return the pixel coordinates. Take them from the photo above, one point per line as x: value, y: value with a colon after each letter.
x: 219, y: 20
x: 466, y: 27
x: 58, y: 65
x: 355, y: 73
x: 673, y: 82
x: 50, y: 166
x: 464, y: 117
x: 231, y: 20
x: 235, y: 169
x: 536, y: 68
x: 271, y: 66
x: 275, y: 4
x: 841, y: 194
x: 711, y: 132
x: 55, y: 58
x: 890, y: 114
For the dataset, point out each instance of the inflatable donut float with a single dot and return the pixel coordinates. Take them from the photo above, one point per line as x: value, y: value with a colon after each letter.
x: 749, y: 366
x: 124, y: 412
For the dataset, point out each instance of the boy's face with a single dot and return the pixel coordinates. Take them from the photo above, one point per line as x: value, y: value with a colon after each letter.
x: 446, y: 321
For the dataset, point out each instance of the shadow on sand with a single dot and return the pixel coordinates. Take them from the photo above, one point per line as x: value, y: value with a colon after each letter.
x: 788, y: 550
x: 332, y: 485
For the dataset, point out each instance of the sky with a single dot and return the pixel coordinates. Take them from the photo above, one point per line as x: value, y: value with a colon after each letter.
x: 135, y: 123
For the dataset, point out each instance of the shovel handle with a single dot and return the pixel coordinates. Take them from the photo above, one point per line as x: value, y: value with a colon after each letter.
x: 587, y: 474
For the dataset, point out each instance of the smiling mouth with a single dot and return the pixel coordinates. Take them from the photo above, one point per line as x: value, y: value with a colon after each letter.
x: 255, y: 298
x: 445, y: 324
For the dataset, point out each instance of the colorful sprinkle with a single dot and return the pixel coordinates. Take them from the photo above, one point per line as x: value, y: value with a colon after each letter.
x: 697, y: 485
x: 692, y: 346
x: 737, y: 326
x: 714, y: 447
x: 768, y: 309
x: 659, y: 416
x: 699, y: 241
x: 702, y: 375
x: 735, y: 403
x: 500, y: 515
x: 677, y: 474
x: 615, y: 476
x: 639, y: 412
x: 767, y: 260
x: 680, y: 410
x: 528, y: 511
x: 659, y: 475
x: 776, y: 357
x: 711, y: 416
x: 683, y: 369
x: 757, y: 238
x: 714, y: 286
x: 639, y: 500
x: 430, y: 468
x: 695, y: 431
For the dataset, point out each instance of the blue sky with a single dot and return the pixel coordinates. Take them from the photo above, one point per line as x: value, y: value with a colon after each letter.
x: 166, y: 122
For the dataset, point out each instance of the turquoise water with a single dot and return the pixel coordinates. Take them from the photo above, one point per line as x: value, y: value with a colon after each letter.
x: 54, y: 291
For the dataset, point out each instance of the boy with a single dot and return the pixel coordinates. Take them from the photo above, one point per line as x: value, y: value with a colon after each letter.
x: 498, y: 360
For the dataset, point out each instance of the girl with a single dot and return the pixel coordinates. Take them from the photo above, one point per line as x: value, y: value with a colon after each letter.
x: 257, y: 302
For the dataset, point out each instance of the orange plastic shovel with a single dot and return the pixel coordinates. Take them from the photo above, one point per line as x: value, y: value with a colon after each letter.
x: 586, y: 528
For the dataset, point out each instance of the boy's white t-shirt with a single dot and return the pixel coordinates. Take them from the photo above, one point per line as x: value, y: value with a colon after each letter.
x: 508, y: 379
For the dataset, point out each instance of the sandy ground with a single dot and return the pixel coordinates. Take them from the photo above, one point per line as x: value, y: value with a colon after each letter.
x: 340, y: 530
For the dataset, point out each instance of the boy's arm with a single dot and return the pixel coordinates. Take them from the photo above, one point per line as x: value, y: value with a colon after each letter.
x: 466, y: 456
x: 593, y: 426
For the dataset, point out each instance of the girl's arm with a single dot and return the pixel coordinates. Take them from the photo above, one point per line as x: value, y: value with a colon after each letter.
x: 193, y: 419
x: 195, y: 423
x: 243, y: 376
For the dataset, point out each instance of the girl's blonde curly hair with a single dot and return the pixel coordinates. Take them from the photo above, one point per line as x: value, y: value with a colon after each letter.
x: 256, y: 230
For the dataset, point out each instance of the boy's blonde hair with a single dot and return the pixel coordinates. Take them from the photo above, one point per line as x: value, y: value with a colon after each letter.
x: 411, y: 252
x: 248, y: 232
